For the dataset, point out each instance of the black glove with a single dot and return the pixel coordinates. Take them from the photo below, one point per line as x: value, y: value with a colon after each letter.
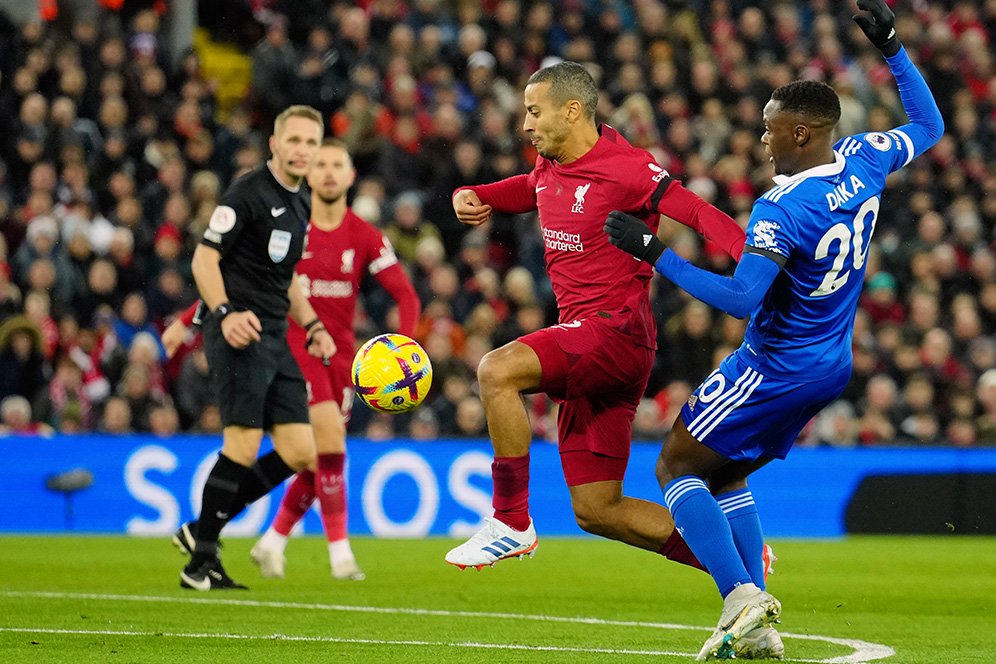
x: 879, y: 25
x: 633, y: 236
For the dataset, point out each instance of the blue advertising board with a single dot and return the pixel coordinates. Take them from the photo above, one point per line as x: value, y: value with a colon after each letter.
x: 144, y: 485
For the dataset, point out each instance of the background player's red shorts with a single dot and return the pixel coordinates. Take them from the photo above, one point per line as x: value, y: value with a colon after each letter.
x: 327, y: 383
x: 598, y: 374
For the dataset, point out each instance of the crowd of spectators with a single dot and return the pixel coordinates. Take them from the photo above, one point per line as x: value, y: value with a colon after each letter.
x: 113, y: 158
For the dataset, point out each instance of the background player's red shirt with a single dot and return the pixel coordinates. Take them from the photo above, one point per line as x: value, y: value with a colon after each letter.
x: 331, y: 270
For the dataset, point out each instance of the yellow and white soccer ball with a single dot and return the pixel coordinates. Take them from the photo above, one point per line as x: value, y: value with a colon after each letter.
x: 392, y: 373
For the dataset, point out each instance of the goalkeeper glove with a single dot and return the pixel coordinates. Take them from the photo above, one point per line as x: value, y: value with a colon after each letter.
x: 633, y: 236
x: 879, y: 25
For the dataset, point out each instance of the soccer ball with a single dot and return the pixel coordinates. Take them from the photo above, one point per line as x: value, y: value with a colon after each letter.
x: 392, y: 373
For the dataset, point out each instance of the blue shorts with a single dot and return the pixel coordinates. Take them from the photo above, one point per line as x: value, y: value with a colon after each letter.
x: 743, y: 415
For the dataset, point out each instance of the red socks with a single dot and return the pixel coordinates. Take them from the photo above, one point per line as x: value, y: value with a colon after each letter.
x: 297, y: 499
x: 511, y: 491
x: 330, y: 487
x: 676, y: 549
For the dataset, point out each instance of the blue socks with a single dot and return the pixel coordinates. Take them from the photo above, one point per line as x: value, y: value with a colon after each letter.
x: 705, y: 528
x: 741, y: 512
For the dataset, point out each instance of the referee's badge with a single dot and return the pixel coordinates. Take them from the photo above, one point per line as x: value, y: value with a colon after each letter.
x: 279, y: 245
x: 222, y: 219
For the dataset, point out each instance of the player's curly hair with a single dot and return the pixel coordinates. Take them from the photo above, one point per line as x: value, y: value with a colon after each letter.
x: 569, y: 80
x: 811, y: 99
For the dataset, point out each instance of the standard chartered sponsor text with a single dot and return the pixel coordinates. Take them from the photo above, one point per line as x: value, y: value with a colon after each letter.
x: 326, y: 288
x: 561, y: 241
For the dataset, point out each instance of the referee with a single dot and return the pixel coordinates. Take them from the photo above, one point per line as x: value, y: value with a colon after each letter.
x: 244, y: 270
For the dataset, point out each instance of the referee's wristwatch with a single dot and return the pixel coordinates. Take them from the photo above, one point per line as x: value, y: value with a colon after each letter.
x: 223, y: 310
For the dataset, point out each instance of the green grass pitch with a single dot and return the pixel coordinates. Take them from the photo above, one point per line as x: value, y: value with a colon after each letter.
x: 115, y: 599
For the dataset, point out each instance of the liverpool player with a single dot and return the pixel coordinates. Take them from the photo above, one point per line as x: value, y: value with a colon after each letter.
x: 597, y: 360
x: 341, y: 249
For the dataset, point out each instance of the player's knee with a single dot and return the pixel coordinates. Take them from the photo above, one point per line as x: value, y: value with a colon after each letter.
x: 297, y: 458
x: 589, y: 522
x: 670, y: 464
x: 592, y: 518
x: 664, y: 476
x: 295, y: 444
x: 492, y: 373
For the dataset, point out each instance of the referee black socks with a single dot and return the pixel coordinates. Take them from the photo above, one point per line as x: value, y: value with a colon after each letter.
x: 220, y: 490
x: 268, y: 471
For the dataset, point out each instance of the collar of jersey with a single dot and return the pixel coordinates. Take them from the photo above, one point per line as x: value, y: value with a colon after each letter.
x: 821, y: 171
x: 269, y: 167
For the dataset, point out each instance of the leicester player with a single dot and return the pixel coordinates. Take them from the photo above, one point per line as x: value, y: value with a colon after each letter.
x: 799, y: 280
x: 597, y: 360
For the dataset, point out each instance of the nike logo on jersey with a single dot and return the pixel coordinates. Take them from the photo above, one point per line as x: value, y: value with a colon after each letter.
x: 539, y: 189
x: 276, y: 212
x: 573, y: 323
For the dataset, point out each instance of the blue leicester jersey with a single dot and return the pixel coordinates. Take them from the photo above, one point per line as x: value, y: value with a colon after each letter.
x: 820, y: 222
x: 807, y: 240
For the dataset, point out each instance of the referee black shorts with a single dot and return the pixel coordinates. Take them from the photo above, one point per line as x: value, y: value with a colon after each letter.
x: 257, y: 386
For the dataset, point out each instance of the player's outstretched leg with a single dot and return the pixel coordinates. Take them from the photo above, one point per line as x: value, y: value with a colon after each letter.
x: 495, y: 541
x: 509, y: 532
x: 745, y: 609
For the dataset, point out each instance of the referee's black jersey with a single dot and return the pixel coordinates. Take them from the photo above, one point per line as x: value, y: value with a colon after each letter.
x: 259, y: 227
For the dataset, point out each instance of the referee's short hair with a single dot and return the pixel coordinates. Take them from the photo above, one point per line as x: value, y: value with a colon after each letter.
x: 814, y: 100
x: 569, y: 80
x: 297, y: 111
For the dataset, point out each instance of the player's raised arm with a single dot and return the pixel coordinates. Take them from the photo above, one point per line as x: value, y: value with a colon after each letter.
x: 673, y: 200
x: 926, y: 125
x: 737, y: 295
x: 514, y: 195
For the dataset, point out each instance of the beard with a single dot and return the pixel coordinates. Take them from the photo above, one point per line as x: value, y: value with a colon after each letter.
x: 329, y: 200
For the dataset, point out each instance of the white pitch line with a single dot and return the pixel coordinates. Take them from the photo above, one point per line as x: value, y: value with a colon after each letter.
x: 336, y: 639
x: 864, y: 651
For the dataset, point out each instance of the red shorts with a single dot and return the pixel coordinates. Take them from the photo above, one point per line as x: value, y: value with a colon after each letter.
x: 327, y: 383
x: 598, y: 374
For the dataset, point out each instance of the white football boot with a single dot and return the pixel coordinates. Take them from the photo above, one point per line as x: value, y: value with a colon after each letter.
x: 769, y: 558
x: 495, y: 541
x: 760, y: 643
x: 347, y: 570
x: 269, y: 560
x: 744, y: 610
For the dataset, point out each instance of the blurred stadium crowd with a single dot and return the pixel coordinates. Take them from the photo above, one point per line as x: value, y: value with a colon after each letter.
x: 113, y: 158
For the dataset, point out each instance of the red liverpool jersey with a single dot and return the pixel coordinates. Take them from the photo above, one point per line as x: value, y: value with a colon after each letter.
x: 587, y: 273
x: 331, y: 270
